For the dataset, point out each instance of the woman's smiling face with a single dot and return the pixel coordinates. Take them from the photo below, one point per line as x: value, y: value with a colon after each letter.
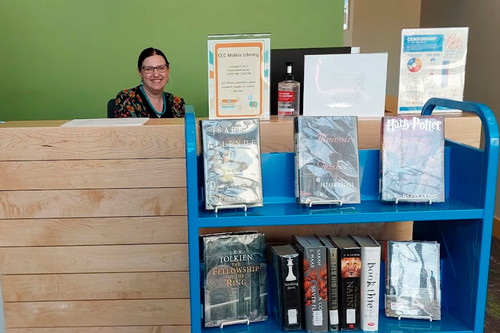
x: 156, y: 80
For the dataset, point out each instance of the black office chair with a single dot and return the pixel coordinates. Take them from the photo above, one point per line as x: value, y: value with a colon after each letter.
x: 111, y: 108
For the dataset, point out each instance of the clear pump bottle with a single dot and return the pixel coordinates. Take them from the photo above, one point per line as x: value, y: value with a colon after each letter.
x: 288, y: 95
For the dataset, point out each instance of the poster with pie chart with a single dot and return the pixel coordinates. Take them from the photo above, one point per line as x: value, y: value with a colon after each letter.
x: 432, y: 64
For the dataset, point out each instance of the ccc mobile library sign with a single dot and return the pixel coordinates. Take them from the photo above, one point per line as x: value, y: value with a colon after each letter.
x: 238, y: 76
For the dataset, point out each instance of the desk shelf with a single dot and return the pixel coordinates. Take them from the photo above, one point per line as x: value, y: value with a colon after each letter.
x: 462, y: 224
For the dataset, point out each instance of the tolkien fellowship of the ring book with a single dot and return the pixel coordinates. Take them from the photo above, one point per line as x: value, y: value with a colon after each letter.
x: 232, y: 164
x: 235, y: 278
x: 349, y: 281
x: 314, y: 281
x: 284, y: 286
x: 412, y: 159
x: 326, y: 159
x: 413, y: 282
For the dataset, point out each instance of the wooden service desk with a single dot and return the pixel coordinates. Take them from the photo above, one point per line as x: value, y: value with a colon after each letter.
x: 93, y: 233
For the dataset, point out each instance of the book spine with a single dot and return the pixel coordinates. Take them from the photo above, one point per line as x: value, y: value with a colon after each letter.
x: 333, y: 290
x: 350, y: 285
x: 291, y: 300
x: 370, y: 287
x: 315, y: 289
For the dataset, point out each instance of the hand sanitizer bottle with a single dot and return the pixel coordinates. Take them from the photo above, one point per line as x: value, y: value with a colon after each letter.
x: 288, y: 95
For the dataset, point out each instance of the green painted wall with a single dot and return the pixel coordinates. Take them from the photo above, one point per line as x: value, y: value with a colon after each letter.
x: 63, y: 59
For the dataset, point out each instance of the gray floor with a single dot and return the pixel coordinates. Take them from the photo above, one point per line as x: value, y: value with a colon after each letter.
x: 492, y: 320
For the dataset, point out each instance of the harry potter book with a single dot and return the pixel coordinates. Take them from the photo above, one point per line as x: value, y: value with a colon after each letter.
x: 333, y: 283
x: 413, y: 283
x: 349, y: 281
x: 314, y: 281
x: 327, y: 162
x: 284, y: 286
x: 232, y: 164
x: 235, y: 277
x: 370, y: 281
x: 412, y: 159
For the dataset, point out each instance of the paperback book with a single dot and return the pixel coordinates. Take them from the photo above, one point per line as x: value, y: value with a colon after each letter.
x: 232, y: 164
x: 333, y: 283
x: 349, y: 254
x: 413, y: 280
x: 326, y: 159
x: 370, y: 281
x: 315, y: 282
x: 412, y: 159
x: 284, y: 286
x: 235, y: 277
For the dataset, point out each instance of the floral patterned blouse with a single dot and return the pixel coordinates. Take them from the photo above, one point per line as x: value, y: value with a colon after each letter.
x: 133, y: 103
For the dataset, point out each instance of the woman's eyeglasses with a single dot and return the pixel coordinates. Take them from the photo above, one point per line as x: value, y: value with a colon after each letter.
x: 150, y: 69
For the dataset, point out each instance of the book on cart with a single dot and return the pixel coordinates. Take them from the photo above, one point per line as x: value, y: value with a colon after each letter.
x: 413, y: 280
x: 314, y: 282
x: 349, y: 254
x: 284, y: 286
x: 333, y: 283
x: 234, y: 278
x: 232, y: 164
x: 326, y: 159
x: 412, y: 159
x: 370, y: 281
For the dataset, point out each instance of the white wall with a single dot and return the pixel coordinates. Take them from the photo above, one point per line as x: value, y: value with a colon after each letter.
x: 482, y: 77
x: 376, y: 27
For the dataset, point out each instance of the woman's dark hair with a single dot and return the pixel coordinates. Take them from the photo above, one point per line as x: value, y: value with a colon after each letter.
x: 150, y: 51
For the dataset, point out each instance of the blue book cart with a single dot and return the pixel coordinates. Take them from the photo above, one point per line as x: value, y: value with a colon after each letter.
x: 462, y: 224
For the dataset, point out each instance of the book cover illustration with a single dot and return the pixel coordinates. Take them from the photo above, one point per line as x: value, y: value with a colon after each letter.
x: 327, y: 161
x: 235, y: 277
x: 413, y: 282
x: 333, y: 283
x: 314, y: 282
x: 370, y: 281
x: 284, y: 286
x: 232, y: 164
x: 349, y: 281
x: 412, y: 159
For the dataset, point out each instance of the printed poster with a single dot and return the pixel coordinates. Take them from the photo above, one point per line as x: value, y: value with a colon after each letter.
x: 239, y: 76
x: 432, y: 65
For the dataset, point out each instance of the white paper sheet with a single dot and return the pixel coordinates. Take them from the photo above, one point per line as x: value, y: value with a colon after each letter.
x: 345, y: 85
x: 106, y: 122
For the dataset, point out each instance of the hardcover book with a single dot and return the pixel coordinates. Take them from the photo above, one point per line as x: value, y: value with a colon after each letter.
x: 284, y: 286
x: 333, y: 283
x: 413, y: 282
x: 232, y: 164
x: 235, y: 277
x: 370, y: 281
x: 349, y: 281
x: 412, y: 159
x: 327, y: 162
x: 315, y: 282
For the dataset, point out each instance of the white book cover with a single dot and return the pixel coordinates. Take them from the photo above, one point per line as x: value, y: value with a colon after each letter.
x: 432, y: 65
x: 345, y: 85
x: 370, y: 281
